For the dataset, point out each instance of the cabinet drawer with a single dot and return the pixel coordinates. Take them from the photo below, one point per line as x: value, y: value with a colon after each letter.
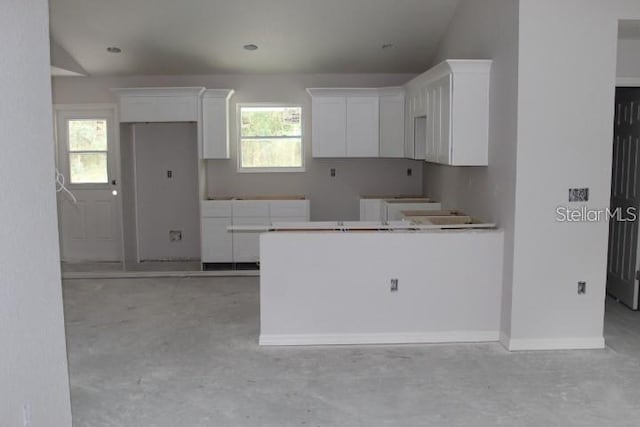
x: 288, y: 208
x: 215, y: 209
x: 250, y: 208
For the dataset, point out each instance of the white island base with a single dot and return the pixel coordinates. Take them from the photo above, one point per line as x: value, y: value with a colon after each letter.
x: 319, y: 288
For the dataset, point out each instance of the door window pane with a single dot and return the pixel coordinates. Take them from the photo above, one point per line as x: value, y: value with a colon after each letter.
x: 88, y: 135
x: 88, y: 168
x: 87, y: 149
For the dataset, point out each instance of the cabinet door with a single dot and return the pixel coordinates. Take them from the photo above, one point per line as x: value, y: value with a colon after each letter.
x: 392, y: 126
x: 215, y: 137
x: 362, y: 126
x: 371, y: 210
x: 328, y: 126
x: 246, y: 244
x: 434, y: 122
x: 136, y: 109
x: 408, y: 123
x: 216, y: 240
x: 444, y: 144
x: 433, y: 134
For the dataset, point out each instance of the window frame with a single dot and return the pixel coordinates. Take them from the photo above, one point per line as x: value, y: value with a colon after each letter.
x: 279, y: 169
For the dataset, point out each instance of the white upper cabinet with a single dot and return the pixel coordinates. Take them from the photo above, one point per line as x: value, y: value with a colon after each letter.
x: 447, y: 114
x: 360, y: 122
x: 328, y: 128
x: 215, y: 123
x: 392, y: 122
x: 362, y: 126
x: 159, y: 104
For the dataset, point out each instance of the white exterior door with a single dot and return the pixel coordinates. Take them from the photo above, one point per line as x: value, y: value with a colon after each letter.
x: 87, y: 157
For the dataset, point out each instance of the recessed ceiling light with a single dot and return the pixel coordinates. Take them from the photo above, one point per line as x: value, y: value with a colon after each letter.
x: 114, y: 49
x: 388, y: 46
x: 250, y: 47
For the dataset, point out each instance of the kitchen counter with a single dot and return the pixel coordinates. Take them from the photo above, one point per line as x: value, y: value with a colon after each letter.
x: 387, y: 197
x: 294, y: 197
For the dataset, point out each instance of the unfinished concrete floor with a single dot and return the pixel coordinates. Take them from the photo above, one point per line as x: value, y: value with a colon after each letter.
x: 183, y: 352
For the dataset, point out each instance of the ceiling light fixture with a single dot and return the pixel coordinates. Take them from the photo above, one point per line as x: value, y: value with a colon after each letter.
x: 114, y: 49
x: 250, y: 47
x: 388, y: 46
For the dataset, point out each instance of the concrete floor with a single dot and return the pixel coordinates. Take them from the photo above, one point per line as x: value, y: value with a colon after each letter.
x: 183, y: 352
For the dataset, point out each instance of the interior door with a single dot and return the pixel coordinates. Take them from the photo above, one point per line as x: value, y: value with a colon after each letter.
x: 90, y: 226
x: 622, y: 265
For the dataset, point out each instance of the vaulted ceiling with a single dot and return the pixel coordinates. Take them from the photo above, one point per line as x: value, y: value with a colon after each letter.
x: 207, y: 36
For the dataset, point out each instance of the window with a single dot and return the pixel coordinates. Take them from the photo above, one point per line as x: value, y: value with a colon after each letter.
x: 88, y: 149
x: 270, y: 138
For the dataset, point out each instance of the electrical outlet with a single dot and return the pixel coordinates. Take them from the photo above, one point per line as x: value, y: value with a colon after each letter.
x: 332, y: 172
x: 409, y: 172
x: 175, y: 235
x: 169, y: 174
x: 578, y: 194
x: 582, y: 288
x: 394, y: 285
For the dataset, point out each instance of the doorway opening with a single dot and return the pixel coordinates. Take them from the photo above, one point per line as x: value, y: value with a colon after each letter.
x: 623, y: 263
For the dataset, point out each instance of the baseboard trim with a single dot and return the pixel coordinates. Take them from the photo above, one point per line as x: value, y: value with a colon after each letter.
x: 504, y: 340
x: 384, y: 338
x: 154, y: 274
x: 554, y: 344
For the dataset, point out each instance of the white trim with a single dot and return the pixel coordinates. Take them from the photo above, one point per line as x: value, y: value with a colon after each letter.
x: 380, y: 338
x: 504, y: 340
x: 152, y: 274
x: 555, y: 344
x: 158, y: 91
x: 63, y: 107
x: 284, y: 169
x: 218, y: 93
x: 628, y: 82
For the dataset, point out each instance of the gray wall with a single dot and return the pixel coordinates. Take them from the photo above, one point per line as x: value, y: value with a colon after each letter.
x: 33, y: 360
x: 628, y: 64
x: 566, y: 86
x: 128, y: 196
x: 165, y: 203
x: 486, y: 30
x: 331, y: 198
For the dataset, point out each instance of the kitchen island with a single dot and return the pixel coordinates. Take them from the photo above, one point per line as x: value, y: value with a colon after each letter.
x: 380, y: 286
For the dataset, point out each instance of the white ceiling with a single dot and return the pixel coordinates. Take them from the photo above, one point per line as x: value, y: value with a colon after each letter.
x: 206, y: 36
x: 629, y: 30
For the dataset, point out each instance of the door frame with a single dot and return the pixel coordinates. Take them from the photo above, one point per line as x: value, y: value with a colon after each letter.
x: 113, y: 109
x: 627, y: 82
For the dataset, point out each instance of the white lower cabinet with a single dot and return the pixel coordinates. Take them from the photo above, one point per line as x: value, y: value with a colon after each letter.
x: 220, y: 245
x: 246, y: 244
x: 216, y: 240
x: 371, y: 209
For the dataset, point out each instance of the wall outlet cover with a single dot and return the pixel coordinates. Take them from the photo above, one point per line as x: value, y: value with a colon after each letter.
x: 175, y: 235
x: 578, y: 194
